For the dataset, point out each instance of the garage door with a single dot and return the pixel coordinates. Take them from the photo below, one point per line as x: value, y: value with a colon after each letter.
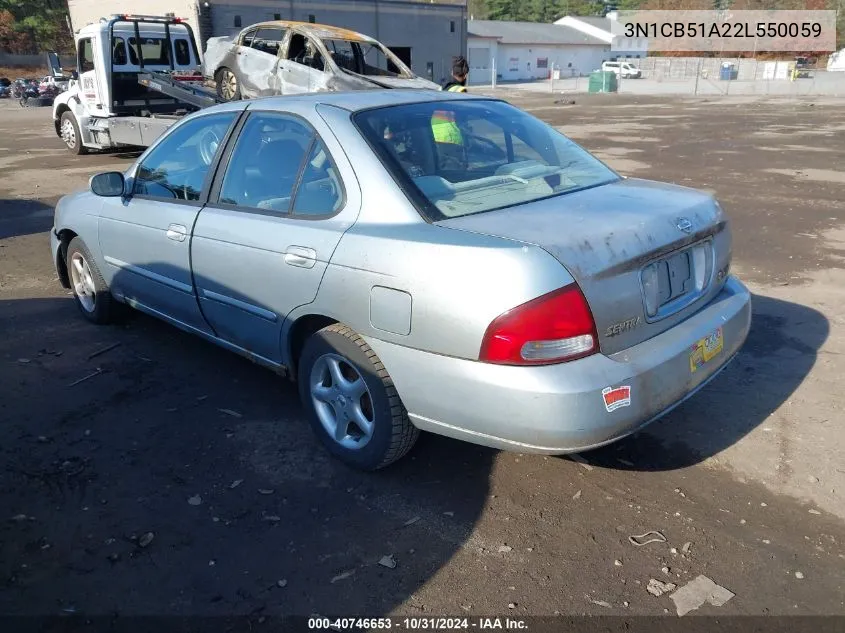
x: 479, y: 66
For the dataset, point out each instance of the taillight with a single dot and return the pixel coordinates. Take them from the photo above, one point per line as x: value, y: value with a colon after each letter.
x: 554, y: 328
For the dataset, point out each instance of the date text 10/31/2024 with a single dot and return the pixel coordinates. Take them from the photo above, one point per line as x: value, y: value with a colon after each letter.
x: 417, y: 624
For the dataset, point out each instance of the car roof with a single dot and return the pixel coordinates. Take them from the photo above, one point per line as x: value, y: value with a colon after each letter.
x: 321, y: 31
x: 357, y: 100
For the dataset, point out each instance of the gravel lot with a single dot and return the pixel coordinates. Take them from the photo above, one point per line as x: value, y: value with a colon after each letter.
x: 182, y: 480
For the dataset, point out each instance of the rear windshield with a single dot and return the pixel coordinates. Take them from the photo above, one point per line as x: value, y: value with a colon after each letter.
x: 459, y: 157
x: 156, y: 51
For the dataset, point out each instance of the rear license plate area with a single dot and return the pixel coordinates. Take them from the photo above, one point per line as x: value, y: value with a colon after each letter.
x: 674, y: 277
x: 674, y: 281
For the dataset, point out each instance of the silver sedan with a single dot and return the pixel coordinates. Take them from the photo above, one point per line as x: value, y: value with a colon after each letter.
x: 416, y: 260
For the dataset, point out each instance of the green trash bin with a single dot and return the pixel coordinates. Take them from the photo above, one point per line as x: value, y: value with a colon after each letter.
x: 603, y: 81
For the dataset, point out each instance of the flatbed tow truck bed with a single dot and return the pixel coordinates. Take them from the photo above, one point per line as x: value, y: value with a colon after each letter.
x: 141, y: 131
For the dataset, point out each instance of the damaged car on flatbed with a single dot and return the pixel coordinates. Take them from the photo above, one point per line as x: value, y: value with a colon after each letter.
x: 283, y: 57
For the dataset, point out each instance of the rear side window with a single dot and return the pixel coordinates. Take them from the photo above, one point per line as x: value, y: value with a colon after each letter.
x: 183, y: 52
x: 176, y: 168
x: 319, y: 192
x: 266, y: 163
x: 279, y: 164
x: 248, y: 37
x: 268, y: 41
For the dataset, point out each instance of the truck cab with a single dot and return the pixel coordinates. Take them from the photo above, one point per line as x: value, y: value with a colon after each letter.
x: 106, y: 105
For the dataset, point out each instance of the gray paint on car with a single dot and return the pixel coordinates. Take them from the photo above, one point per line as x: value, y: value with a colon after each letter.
x: 444, y: 283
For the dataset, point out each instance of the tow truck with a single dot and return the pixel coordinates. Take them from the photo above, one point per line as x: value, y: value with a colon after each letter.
x: 136, y: 76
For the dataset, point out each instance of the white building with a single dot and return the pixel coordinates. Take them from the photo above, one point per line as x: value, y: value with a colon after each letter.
x: 605, y: 29
x: 525, y: 51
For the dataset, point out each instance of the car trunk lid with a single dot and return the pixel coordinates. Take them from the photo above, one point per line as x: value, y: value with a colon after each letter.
x: 609, y: 237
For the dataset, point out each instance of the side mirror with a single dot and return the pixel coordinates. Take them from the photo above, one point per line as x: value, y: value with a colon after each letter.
x: 74, y: 75
x: 109, y: 184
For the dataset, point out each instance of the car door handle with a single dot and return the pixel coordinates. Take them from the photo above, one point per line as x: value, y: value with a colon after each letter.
x: 301, y: 256
x: 177, y: 232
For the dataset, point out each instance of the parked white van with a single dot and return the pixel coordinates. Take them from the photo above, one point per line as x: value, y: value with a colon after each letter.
x: 623, y: 69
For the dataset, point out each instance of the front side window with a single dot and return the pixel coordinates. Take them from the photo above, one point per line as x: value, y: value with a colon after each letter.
x: 119, y: 52
x: 365, y: 58
x: 344, y: 53
x: 279, y: 164
x: 86, y: 55
x: 176, y: 168
x: 458, y: 158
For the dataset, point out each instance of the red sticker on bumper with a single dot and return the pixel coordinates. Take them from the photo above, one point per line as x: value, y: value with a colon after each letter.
x: 617, y: 397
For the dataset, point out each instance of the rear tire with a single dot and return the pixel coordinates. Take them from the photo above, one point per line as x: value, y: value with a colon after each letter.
x: 228, y: 86
x: 90, y: 291
x: 351, y: 401
x: 69, y: 130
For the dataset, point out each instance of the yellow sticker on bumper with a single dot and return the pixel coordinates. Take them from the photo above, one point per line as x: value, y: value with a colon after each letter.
x: 705, y: 350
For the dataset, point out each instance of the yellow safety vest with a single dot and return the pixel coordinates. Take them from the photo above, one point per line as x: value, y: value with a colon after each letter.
x: 443, y: 124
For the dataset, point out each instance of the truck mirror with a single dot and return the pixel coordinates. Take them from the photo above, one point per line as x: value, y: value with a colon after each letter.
x: 74, y: 75
x: 109, y: 184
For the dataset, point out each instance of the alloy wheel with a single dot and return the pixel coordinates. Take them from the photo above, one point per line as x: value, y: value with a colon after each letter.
x: 342, y: 401
x: 83, y: 282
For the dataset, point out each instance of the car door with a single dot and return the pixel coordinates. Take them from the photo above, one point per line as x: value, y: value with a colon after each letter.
x: 274, y: 218
x: 145, y: 236
x: 257, y: 59
x: 302, y: 67
x: 89, y: 86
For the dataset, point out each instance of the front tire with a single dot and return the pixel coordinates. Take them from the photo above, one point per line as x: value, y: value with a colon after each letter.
x: 90, y: 291
x: 228, y: 86
x: 351, y: 401
x: 69, y: 130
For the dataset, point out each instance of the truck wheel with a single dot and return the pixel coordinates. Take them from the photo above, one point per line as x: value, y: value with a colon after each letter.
x: 228, y: 88
x: 351, y: 401
x: 70, y: 134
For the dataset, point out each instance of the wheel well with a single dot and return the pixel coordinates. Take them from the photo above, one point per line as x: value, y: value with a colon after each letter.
x: 65, y: 236
x: 302, y: 328
x: 57, y: 122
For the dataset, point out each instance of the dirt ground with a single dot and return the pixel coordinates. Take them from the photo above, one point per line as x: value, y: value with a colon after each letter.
x: 182, y: 480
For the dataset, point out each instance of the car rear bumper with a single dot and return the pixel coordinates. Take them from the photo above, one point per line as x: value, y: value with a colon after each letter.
x: 561, y: 408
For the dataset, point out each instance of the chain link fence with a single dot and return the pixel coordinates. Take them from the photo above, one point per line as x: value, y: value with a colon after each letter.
x: 730, y: 75
x: 705, y: 76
